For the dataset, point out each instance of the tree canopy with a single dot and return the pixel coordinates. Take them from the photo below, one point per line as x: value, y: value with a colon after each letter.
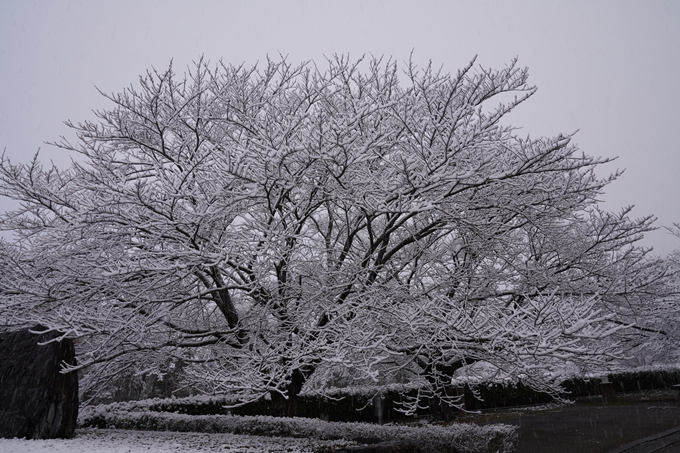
x: 281, y: 224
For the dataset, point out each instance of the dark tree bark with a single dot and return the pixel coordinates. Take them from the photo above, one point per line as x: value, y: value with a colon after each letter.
x: 287, y: 407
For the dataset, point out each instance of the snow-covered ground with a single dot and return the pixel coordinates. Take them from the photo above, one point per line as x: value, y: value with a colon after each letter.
x: 92, y: 440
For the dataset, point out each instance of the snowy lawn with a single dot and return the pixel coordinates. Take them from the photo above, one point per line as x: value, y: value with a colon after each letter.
x: 92, y: 440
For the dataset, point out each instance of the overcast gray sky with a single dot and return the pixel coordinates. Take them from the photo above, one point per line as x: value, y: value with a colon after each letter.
x: 608, y: 68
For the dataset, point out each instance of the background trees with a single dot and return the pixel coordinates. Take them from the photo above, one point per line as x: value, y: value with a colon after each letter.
x: 271, y: 225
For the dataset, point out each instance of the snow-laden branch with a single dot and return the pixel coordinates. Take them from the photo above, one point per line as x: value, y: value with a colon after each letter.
x: 271, y: 224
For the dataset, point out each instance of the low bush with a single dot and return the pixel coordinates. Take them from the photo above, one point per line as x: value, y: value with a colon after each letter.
x: 353, y: 406
x: 493, y: 395
x: 372, y: 404
x: 456, y: 438
x: 653, y: 379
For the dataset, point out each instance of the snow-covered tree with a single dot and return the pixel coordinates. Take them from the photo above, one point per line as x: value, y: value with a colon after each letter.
x: 269, y: 224
x: 656, y: 332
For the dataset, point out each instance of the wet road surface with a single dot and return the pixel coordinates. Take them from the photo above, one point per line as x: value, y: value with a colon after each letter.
x: 590, y: 426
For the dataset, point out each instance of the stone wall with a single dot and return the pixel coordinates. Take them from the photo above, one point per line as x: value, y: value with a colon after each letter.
x: 36, y: 400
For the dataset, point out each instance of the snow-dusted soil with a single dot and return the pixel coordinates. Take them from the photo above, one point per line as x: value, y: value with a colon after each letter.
x: 92, y: 440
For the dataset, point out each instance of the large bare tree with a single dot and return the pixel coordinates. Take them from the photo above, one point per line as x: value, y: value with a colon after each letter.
x: 272, y: 223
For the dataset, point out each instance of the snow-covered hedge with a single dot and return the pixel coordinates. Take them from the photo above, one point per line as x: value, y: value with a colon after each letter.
x: 643, y: 378
x: 456, y: 438
x: 191, y: 405
x: 355, y: 403
x: 351, y: 405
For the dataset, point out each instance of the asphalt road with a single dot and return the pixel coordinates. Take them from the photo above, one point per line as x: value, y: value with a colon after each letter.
x: 591, y: 426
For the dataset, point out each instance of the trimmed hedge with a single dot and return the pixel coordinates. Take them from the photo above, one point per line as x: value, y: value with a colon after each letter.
x: 350, y: 405
x: 340, y: 408
x: 645, y: 380
x: 456, y: 438
x: 494, y: 395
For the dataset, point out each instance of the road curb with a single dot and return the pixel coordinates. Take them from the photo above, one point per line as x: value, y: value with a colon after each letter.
x: 650, y: 444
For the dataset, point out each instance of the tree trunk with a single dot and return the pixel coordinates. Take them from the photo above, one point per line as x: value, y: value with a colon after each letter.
x: 439, y: 374
x: 282, y: 407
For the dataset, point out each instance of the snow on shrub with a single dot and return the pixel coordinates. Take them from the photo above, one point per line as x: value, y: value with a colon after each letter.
x: 192, y: 405
x: 479, y: 395
x: 457, y: 438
